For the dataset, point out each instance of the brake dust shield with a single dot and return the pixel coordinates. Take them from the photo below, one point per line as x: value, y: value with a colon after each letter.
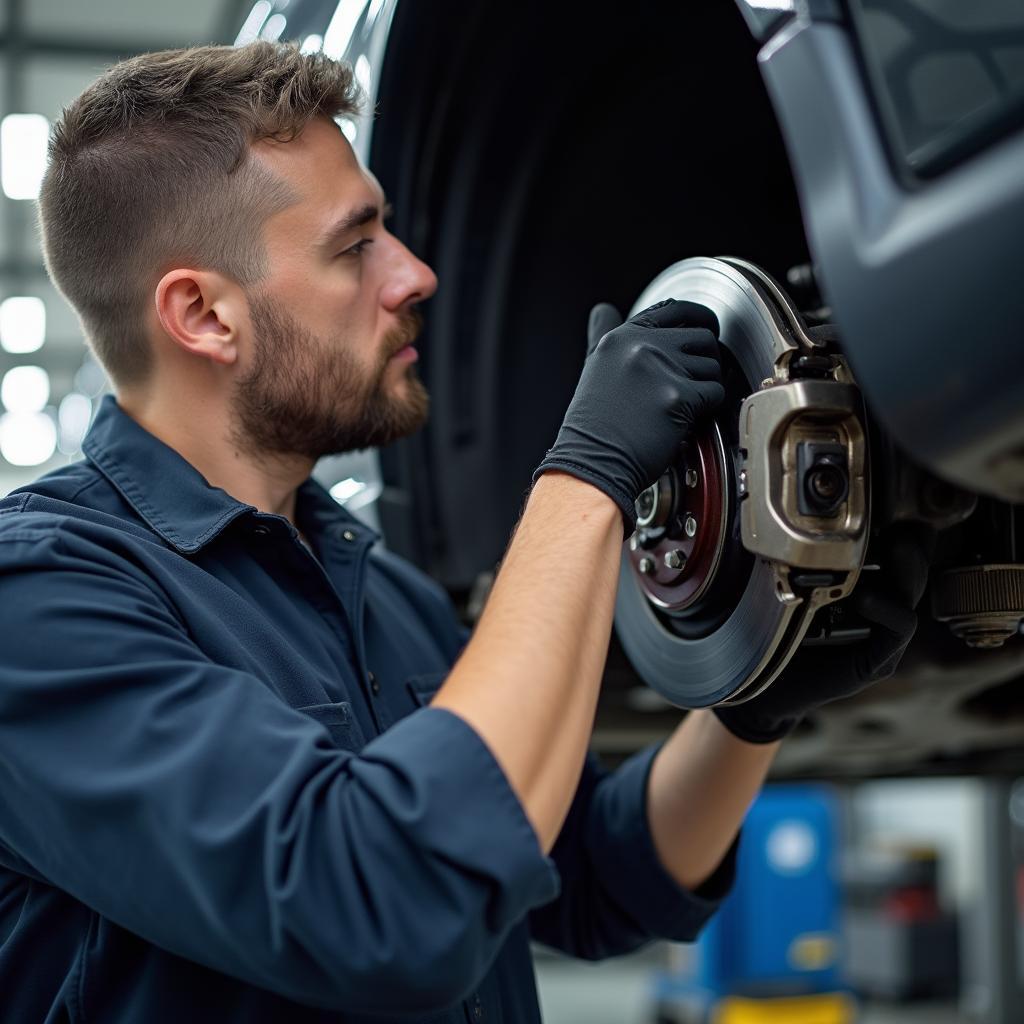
x: 763, y: 519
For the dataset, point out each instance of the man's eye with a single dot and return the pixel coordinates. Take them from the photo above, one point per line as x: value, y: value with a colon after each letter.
x: 357, y: 249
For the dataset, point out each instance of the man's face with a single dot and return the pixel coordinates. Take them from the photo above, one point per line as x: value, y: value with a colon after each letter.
x: 331, y: 367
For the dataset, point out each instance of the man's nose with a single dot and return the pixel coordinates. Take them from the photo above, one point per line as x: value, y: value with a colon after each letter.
x: 409, y: 281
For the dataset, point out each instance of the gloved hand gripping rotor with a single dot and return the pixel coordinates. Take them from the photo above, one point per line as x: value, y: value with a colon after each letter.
x: 644, y: 385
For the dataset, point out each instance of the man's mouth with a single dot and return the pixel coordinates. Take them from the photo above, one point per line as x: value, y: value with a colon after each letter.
x: 405, y: 336
x: 406, y: 355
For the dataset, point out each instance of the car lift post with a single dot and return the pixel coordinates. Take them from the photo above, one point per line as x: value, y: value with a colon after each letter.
x: 996, y: 957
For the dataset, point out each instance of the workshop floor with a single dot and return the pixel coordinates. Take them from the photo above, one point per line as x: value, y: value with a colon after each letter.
x: 618, y: 992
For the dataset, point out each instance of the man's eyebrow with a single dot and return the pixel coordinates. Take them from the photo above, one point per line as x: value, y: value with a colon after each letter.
x: 353, y: 219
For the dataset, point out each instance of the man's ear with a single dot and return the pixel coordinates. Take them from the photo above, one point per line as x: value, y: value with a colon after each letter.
x: 202, y: 312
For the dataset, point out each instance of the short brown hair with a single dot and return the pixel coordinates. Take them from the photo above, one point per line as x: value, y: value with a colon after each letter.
x: 151, y: 168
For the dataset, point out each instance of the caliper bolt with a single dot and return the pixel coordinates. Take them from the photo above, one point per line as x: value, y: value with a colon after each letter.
x: 690, y: 526
x: 646, y: 565
x: 691, y: 478
x: 675, y: 559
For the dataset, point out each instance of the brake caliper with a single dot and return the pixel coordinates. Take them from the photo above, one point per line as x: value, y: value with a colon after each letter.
x: 803, y: 483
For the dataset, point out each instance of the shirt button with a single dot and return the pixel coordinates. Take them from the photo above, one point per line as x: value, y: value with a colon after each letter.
x: 261, y: 531
x: 374, y: 685
x: 349, y: 535
x: 478, y: 1009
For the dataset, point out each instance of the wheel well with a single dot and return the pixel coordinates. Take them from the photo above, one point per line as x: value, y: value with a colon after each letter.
x: 541, y: 162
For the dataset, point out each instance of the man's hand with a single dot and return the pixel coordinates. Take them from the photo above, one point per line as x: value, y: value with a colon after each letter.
x: 886, y: 598
x: 644, y: 384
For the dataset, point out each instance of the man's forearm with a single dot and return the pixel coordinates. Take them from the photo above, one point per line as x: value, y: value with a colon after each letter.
x: 702, y: 783
x: 528, y: 680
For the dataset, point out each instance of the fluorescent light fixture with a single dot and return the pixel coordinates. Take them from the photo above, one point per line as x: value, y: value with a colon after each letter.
x: 354, y: 494
x: 362, y: 73
x: 27, y: 438
x: 23, y: 139
x: 348, y: 128
x: 311, y: 44
x: 250, y: 30
x: 22, y: 324
x: 346, y: 490
x: 90, y: 378
x: 772, y: 5
x: 342, y: 24
x: 73, y: 418
x: 274, y: 28
x: 25, y: 389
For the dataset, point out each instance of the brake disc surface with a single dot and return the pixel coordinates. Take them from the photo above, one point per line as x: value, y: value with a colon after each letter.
x: 746, y: 645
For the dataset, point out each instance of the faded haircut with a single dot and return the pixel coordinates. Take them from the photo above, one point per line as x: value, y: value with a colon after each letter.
x: 151, y: 168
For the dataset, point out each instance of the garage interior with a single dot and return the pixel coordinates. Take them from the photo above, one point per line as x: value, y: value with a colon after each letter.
x: 913, y: 865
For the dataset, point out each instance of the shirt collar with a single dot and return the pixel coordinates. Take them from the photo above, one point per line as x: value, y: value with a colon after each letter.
x: 171, y: 495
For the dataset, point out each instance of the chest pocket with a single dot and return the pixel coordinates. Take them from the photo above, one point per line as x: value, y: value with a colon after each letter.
x: 422, y: 688
x: 339, y: 721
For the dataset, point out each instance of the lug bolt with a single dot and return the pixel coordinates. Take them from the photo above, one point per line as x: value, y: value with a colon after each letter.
x: 690, y: 526
x: 675, y: 559
x: 691, y: 478
x: 646, y: 565
x: 634, y: 542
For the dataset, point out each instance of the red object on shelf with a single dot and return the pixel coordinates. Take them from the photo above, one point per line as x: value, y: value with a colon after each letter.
x: 911, y: 904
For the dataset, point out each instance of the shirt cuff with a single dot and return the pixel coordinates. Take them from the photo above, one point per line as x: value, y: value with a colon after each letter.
x: 457, y: 803
x: 624, y: 856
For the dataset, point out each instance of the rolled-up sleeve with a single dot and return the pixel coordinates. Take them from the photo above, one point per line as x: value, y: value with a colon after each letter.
x: 186, y: 802
x: 616, y: 895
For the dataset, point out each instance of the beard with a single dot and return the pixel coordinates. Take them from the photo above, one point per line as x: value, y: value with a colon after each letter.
x: 310, y: 396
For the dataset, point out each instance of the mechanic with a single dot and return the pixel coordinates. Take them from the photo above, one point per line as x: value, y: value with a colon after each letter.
x: 251, y: 768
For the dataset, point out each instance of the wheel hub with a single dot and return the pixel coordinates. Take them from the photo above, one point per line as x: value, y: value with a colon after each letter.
x: 681, y: 525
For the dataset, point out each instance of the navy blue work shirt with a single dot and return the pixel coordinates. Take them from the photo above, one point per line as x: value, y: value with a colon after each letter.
x: 223, y: 796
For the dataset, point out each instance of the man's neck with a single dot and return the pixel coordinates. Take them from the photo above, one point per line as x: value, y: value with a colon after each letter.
x: 203, y: 439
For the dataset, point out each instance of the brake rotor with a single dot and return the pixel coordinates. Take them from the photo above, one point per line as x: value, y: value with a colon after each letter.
x: 702, y: 621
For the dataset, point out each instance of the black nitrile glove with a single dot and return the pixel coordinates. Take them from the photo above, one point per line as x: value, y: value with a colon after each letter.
x: 886, y: 598
x: 644, y: 384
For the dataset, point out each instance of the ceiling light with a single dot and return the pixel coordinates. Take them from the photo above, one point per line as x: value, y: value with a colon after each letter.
x: 345, y: 490
x: 250, y: 30
x: 348, y: 128
x: 354, y: 494
x: 25, y: 389
x: 27, y: 438
x: 23, y: 139
x: 22, y: 324
x: 338, y: 33
x: 90, y: 378
x: 73, y: 418
x: 274, y: 28
x: 311, y: 44
x: 362, y: 73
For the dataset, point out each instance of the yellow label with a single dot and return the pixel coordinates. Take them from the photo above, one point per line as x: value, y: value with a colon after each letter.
x: 812, y: 951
